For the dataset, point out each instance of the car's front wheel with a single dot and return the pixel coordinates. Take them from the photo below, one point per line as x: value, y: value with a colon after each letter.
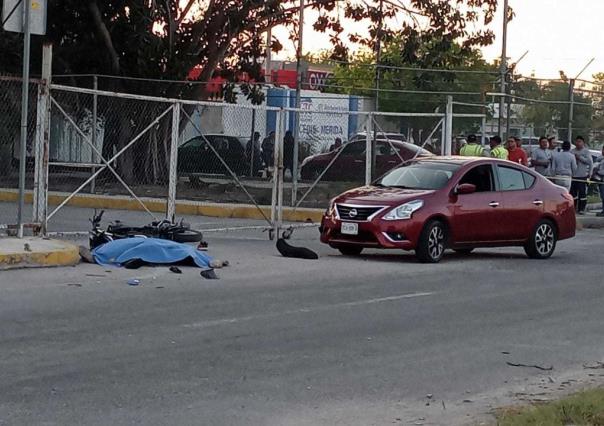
x: 350, y: 250
x: 542, y: 242
x: 432, y: 242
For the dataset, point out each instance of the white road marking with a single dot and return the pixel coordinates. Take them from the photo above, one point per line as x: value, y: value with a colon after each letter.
x: 210, y: 323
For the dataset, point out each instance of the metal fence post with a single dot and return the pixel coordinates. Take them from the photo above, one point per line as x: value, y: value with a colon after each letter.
x: 369, y: 150
x: 449, y: 126
x: 280, y: 170
x: 95, y: 86
x: 484, y: 130
x: 173, y: 176
x: 571, y: 109
x: 42, y: 142
x: 277, y: 193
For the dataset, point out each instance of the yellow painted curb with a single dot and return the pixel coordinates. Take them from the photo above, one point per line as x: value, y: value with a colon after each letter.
x: 224, y: 210
x: 64, y: 255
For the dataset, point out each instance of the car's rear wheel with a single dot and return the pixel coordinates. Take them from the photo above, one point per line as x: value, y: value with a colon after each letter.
x: 464, y: 250
x: 432, y: 242
x: 542, y: 242
x: 350, y: 250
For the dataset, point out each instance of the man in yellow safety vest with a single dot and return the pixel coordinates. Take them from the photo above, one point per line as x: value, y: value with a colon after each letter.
x: 498, y: 151
x: 472, y: 148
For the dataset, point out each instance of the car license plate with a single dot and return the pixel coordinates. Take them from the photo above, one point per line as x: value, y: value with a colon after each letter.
x: 350, y: 228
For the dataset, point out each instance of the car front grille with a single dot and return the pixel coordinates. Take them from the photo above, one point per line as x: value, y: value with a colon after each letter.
x: 346, y: 212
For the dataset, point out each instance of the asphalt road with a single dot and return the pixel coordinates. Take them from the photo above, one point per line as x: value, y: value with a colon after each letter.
x: 378, y: 339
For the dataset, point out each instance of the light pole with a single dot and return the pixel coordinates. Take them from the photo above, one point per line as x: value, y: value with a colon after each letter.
x: 503, y: 68
x: 571, y: 106
x: 298, y: 104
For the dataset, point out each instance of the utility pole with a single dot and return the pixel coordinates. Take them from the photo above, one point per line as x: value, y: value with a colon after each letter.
x: 503, y: 68
x: 571, y: 95
x: 24, y: 114
x: 378, y: 76
x: 510, y: 80
x: 298, y: 103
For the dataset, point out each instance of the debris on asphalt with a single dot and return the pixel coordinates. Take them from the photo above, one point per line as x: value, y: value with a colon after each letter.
x: 209, y: 274
x: 288, y: 250
x: 74, y: 285
x: 594, y: 366
x: 539, y: 367
x: 95, y: 275
x: 505, y: 352
x: 175, y: 269
x: 134, y: 282
x: 160, y: 286
x: 26, y: 247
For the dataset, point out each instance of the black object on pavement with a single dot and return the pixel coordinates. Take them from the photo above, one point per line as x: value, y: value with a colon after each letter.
x: 287, y: 250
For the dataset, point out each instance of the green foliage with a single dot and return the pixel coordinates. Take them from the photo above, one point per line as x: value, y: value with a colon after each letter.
x: 547, y: 116
x: 122, y: 37
x: 585, y: 408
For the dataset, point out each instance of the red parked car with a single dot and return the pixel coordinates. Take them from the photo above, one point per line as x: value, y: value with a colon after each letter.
x: 432, y: 204
x: 350, y: 164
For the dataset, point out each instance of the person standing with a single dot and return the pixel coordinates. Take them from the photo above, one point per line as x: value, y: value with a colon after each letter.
x: 585, y: 165
x: 472, y: 148
x: 498, y: 151
x: 288, y: 152
x: 599, y: 173
x: 337, y: 145
x: 252, y: 152
x: 564, y: 166
x: 515, y: 154
x: 268, y: 150
x: 541, y: 158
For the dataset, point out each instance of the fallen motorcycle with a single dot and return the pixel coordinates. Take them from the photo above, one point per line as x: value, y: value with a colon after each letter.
x: 179, y: 232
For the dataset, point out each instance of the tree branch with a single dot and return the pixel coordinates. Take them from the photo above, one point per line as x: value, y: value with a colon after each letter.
x: 103, y: 33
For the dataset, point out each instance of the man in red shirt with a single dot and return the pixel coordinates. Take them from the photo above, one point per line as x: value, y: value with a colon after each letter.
x: 515, y: 154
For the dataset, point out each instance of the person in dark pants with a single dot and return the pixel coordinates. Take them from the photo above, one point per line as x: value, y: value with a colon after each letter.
x: 578, y: 188
x: 268, y: 150
x: 599, y: 175
x: 288, y: 152
x: 252, y: 152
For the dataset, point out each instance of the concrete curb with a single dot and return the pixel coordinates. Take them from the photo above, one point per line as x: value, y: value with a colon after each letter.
x: 590, y: 222
x: 36, y: 253
x: 120, y: 202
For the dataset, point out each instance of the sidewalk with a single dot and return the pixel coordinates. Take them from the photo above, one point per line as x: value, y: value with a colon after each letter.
x: 590, y: 221
x: 33, y: 252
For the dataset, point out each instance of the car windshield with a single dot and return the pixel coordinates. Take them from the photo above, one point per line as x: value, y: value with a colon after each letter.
x: 420, y: 175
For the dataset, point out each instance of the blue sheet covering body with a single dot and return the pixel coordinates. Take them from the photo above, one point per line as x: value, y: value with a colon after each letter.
x: 150, y: 250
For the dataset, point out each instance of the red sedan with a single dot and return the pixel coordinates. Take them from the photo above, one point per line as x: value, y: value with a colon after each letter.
x: 350, y: 164
x: 461, y: 203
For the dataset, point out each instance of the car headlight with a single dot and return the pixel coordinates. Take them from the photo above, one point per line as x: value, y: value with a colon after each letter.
x: 404, y: 211
x: 331, y: 210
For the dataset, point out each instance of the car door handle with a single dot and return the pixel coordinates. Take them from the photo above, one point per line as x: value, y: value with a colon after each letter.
x: 359, y: 161
x: 494, y: 204
x: 538, y: 202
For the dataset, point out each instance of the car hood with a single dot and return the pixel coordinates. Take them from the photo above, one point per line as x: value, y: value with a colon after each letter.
x: 372, y: 195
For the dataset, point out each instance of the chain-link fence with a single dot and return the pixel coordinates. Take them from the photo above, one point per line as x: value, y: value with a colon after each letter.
x: 10, y: 143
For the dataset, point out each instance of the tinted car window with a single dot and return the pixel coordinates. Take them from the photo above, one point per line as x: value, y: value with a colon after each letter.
x: 385, y: 149
x: 420, y: 175
x: 510, y: 179
x: 481, y: 177
x: 193, y: 143
x: 354, y: 148
x: 529, y: 179
x: 414, y: 149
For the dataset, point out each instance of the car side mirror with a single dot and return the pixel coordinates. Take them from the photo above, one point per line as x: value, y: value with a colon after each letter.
x: 465, y: 188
